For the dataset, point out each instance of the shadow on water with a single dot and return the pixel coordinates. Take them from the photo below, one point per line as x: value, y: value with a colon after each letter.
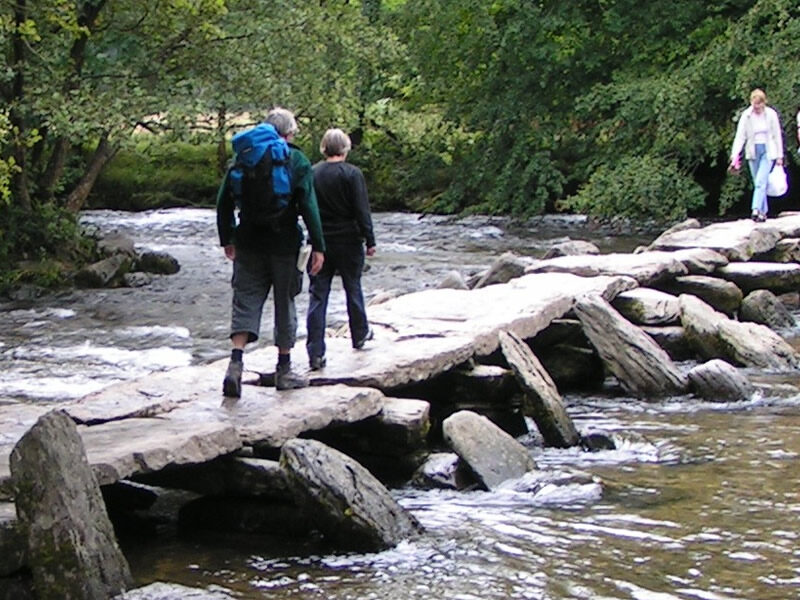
x: 698, y: 501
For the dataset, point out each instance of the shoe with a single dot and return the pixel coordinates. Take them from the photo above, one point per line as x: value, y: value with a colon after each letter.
x: 317, y: 362
x: 232, y: 384
x: 761, y: 217
x: 755, y: 215
x: 286, y: 379
x: 359, y: 344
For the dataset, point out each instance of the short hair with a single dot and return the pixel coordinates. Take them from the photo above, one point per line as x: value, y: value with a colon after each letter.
x: 335, y: 142
x: 283, y: 120
x: 758, y: 95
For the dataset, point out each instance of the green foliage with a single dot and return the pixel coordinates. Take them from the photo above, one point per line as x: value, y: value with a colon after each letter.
x: 503, y: 107
x: 39, y: 246
x: 405, y: 156
x: 734, y: 188
x: 639, y: 188
x: 567, y: 88
x: 158, y: 172
x: 6, y: 164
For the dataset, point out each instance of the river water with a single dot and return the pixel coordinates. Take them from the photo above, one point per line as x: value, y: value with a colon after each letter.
x: 699, y: 500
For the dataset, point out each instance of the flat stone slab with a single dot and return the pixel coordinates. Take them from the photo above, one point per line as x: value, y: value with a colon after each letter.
x: 750, y: 276
x: 417, y: 336
x: 645, y: 267
x: 119, y: 449
x: 180, y: 417
x: 271, y: 419
x: 700, y: 261
x: 787, y: 224
x: 646, y: 306
x: 736, y: 240
x: 426, y: 333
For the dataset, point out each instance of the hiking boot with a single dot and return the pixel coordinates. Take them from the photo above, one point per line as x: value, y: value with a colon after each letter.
x: 286, y: 379
x: 232, y: 384
x: 317, y: 362
x: 359, y: 344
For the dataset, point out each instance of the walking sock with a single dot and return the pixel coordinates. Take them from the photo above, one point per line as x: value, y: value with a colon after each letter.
x: 237, y: 354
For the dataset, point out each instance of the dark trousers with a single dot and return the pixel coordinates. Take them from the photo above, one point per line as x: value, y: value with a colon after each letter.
x: 254, y: 275
x: 346, y: 259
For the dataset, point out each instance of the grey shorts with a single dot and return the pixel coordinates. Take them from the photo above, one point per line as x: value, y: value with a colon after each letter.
x: 254, y: 275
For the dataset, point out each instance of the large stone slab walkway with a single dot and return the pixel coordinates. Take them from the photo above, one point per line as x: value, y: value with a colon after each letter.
x: 180, y: 417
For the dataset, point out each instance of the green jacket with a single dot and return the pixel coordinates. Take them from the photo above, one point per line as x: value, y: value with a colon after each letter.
x: 288, y: 238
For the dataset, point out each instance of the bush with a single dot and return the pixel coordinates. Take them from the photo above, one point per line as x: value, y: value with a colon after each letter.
x: 45, y: 242
x: 158, y: 173
x: 644, y: 188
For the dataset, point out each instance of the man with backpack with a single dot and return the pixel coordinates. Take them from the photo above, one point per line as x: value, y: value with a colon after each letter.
x: 270, y: 184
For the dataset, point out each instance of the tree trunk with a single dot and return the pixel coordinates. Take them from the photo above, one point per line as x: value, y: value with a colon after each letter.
x: 19, y: 183
x: 104, y: 152
x: 222, y: 126
x: 55, y: 167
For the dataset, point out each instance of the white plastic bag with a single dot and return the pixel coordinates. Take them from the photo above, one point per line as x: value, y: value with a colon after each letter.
x: 776, y: 182
x: 303, y: 256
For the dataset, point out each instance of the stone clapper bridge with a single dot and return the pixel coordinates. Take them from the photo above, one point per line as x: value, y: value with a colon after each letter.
x: 639, y: 311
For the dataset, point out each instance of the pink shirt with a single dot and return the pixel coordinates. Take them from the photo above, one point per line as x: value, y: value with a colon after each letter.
x: 760, y: 128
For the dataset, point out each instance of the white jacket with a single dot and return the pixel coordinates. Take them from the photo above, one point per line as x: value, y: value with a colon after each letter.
x: 744, y: 136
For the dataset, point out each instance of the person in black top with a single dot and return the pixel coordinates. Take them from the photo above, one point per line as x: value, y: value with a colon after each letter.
x: 347, y: 229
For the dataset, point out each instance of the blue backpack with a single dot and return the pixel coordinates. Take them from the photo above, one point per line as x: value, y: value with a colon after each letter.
x: 260, y: 178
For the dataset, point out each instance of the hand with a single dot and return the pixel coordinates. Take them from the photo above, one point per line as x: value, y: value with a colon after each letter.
x: 230, y: 252
x: 317, y: 260
x: 371, y: 251
x: 779, y: 162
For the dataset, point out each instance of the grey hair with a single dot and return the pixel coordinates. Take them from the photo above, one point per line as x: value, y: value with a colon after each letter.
x: 335, y: 142
x: 283, y: 120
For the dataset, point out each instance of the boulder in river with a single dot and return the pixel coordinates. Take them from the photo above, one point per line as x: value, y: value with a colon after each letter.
x: 646, y: 306
x: 717, y: 380
x: 507, y: 267
x: 571, y: 248
x: 72, y: 551
x: 544, y: 404
x: 762, y: 306
x: 160, y: 263
x: 104, y: 272
x: 714, y: 335
x: 724, y: 296
x: 641, y: 366
x: 348, y: 504
x: 492, y: 454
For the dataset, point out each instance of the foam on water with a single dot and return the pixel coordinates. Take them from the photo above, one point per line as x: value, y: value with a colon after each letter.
x: 89, y: 353
x: 52, y: 388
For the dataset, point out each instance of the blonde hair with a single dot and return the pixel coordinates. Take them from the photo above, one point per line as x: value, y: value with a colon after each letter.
x: 758, y: 95
x: 335, y: 142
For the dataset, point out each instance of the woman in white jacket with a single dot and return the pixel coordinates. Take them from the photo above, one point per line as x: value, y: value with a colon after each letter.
x: 759, y: 133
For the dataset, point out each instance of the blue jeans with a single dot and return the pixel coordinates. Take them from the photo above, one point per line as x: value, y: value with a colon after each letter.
x: 759, y: 170
x: 346, y: 259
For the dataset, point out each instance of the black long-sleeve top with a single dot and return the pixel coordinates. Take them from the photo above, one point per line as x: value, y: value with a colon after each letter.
x: 343, y: 202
